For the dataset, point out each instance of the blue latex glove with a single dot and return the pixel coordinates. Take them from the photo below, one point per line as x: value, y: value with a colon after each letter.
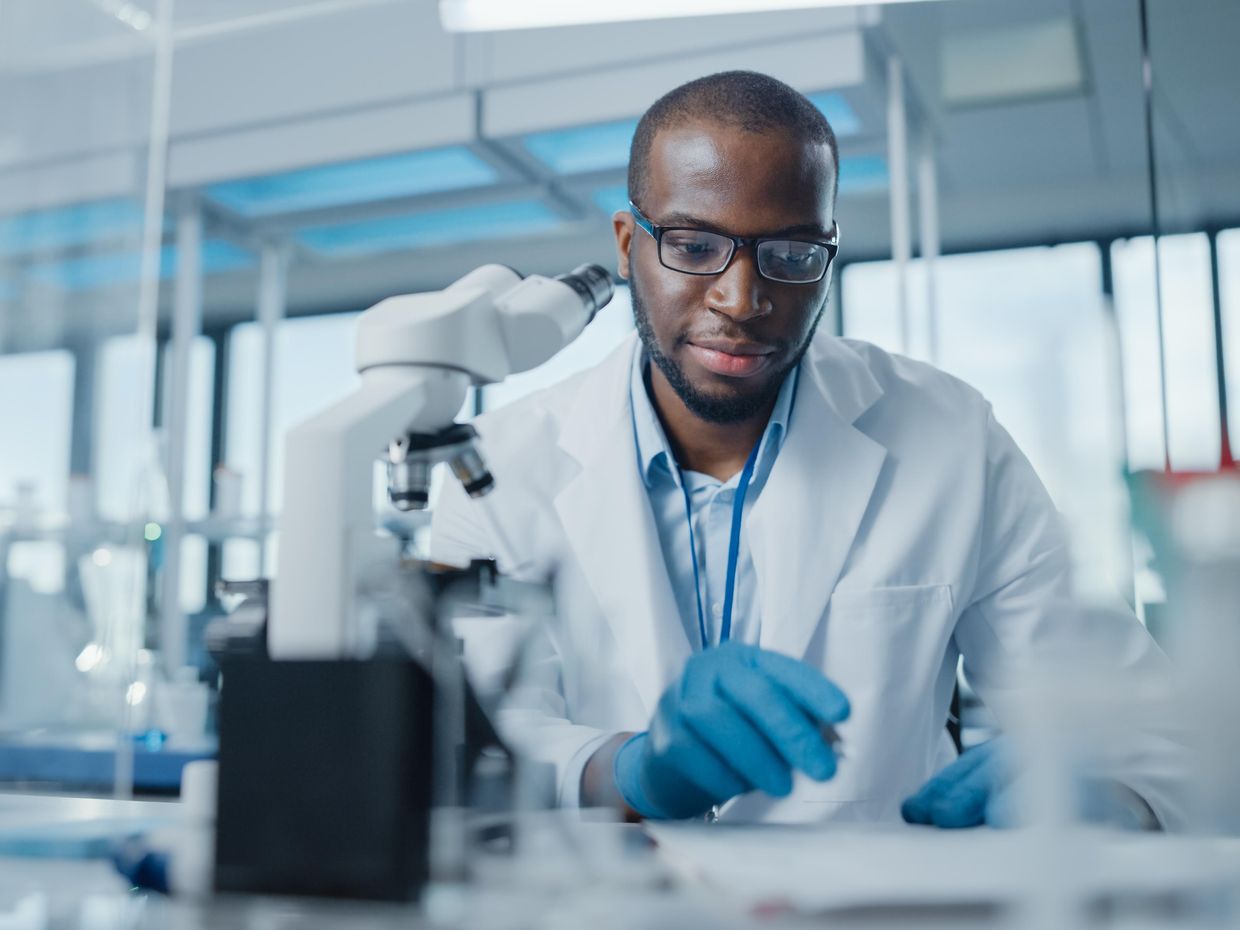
x: 978, y: 789
x: 739, y: 719
x: 964, y: 792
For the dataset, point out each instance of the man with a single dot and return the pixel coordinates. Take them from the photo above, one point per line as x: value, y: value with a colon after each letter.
x: 770, y: 546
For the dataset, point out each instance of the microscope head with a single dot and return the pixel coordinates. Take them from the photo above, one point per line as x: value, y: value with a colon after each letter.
x: 488, y: 325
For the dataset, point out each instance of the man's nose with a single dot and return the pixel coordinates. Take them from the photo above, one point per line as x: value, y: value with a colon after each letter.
x: 739, y: 292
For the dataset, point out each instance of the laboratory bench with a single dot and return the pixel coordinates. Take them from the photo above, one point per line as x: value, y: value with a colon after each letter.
x: 599, y: 876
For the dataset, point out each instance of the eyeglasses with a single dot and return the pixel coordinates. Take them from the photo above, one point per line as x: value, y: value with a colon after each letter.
x: 699, y: 251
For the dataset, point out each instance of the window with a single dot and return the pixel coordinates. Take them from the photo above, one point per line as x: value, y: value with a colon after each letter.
x: 200, y: 405
x: 1188, y: 339
x: 36, y: 411
x: 1027, y: 328
x: 122, y: 429
x: 1229, y: 294
x: 130, y: 482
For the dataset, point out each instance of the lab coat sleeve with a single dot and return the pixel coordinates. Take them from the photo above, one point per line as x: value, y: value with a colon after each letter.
x: 534, y: 717
x: 1020, y: 617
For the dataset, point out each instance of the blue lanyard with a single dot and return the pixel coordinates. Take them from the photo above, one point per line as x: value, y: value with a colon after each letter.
x: 734, y: 546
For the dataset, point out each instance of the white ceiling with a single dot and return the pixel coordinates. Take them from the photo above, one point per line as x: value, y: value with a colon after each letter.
x: 262, y: 86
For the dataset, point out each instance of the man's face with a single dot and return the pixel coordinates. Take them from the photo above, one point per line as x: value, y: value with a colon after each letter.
x: 725, y: 342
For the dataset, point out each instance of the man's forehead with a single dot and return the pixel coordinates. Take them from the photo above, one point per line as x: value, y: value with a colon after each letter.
x: 725, y: 175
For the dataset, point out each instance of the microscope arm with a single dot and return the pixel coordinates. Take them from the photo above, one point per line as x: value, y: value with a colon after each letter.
x: 327, y: 527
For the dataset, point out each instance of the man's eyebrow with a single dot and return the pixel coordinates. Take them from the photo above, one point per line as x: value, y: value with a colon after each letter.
x: 686, y: 219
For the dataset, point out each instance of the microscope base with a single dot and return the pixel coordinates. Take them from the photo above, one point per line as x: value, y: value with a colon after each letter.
x: 324, y: 778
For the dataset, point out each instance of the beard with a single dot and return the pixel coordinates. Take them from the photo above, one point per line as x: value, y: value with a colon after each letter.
x: 714, y: 408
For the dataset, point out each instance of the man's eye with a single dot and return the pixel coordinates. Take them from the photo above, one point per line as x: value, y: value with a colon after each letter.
x: 690, y: 246
x: 795, y: 253
x: 794, y: 258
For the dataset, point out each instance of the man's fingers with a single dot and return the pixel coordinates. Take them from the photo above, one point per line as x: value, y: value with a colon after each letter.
x: 782, y: 721
x: 700, y: 765
x: 956, y: 796
x: 736, y: 740
x: 806, y: 684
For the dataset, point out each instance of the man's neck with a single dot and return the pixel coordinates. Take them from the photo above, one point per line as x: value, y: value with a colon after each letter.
x: 715, y: 449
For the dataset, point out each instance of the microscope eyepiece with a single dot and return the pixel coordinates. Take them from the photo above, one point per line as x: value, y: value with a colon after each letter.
x: 593, y: 284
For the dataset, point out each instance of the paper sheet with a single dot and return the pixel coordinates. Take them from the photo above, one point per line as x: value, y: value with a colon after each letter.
x: 823, y: 867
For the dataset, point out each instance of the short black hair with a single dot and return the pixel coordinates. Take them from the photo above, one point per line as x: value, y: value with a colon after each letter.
x: 752, y: 101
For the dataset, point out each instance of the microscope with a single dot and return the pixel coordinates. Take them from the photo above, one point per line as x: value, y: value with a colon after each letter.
x: 326, y: 744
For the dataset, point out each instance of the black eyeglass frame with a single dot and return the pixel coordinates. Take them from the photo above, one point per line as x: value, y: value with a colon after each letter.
x: 832, y: 245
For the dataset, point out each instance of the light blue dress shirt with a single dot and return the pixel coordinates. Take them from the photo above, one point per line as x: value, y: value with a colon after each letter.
x: 711, y: 503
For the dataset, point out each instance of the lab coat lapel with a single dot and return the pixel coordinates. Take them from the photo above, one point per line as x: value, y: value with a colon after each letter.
x: 610, y: 530
x: 803, y: 525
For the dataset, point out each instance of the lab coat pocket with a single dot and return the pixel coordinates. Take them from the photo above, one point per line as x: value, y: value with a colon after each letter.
x: 885, y: 648
x: 896, y: 605
x: 885, y: 643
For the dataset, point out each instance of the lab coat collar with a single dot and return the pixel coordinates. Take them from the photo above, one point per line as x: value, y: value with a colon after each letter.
x: 802, y: 529
x: 609, y: 526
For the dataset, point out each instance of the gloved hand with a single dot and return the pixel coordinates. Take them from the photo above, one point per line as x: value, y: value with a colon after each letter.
x: 981, y: 787
x: 739, y: 719
x: 964, y: 793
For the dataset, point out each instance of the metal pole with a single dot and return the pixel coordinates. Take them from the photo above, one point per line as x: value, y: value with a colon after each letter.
x: 219, y: 430
x: 928, y: 215
x: 1147, y: 77
x: 153, y: 205
x: 897, y: 161
x: 1115, y: 338
x: 1226, y: 460
x: 147, y: 324
x: 186, y: 327
x: 272, y: 305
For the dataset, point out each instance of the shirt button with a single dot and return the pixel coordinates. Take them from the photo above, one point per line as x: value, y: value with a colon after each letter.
x: 718, y: 609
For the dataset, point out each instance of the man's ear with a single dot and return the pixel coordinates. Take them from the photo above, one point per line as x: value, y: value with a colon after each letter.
x: 622, y: 225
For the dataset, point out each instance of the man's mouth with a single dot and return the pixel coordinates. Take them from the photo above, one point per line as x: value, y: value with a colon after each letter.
x: 729, y: 357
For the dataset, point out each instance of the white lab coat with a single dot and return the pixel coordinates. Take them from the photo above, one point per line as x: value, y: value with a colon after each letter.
x: 900, y: 528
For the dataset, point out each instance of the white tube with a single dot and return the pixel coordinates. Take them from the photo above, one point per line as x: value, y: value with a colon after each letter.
x: 897, y: 161
x: 928, y: 215
x: 272, y: 306
x: 186, y: 327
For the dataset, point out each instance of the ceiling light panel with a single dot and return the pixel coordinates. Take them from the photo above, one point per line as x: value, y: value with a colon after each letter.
x: 496, y: 15
x: 69, y: 227
x: 93, y: 272
x: 599, y: 147
x: 431, y: 228
x: 365, y: 181
x: 1012, y: 62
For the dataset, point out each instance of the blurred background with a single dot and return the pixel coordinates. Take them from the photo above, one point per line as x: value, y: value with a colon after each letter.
x: 198, y: 197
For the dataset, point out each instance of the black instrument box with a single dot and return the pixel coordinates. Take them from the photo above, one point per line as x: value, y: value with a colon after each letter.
x: 324, y: 777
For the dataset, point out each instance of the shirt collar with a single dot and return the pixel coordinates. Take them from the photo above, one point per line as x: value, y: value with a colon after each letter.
x: 654, y: 453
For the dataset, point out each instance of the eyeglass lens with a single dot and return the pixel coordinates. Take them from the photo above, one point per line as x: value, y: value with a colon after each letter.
x: 696, y: 251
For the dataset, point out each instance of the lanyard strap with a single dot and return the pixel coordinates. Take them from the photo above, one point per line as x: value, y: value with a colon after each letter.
x: 734, y: 546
